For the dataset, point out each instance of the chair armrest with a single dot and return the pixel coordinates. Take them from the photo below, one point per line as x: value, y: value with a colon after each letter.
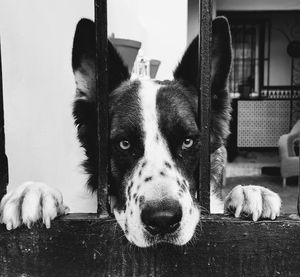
x: 283, y: 147
x: 290, y: 143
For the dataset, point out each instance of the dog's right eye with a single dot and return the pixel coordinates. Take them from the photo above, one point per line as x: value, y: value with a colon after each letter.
x: 187, y: 143
x: 124, y: 144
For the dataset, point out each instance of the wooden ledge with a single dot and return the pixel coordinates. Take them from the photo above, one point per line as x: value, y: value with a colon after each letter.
x: 84, y: 245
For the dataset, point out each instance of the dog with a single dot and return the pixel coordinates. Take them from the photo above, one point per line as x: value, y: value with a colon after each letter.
x: 154, y: 147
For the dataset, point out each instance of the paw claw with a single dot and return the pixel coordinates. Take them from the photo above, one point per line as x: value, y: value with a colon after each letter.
x: 47, y: 222
x: 273, y: 216
x: 67, y: 210
x: 255, y: 216
x: 238, y: 211
x: 8, y: 226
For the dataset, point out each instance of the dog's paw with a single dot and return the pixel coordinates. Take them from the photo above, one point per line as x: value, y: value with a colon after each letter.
x: 29, y: 203
x: 253, y: 201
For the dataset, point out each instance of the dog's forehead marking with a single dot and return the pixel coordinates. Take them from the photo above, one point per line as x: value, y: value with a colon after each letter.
x: 155, y: 146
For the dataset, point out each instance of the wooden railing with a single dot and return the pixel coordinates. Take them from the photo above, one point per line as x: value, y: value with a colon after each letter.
x: 84, y: 245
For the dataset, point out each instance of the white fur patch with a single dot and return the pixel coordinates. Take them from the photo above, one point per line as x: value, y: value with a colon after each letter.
x: 147, y: 95
x: 29, y: 203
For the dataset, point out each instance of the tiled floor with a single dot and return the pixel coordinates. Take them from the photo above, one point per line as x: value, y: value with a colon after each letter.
x: 247, y: 169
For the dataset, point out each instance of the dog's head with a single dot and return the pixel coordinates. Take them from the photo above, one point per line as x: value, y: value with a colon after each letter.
x: 154, y: 136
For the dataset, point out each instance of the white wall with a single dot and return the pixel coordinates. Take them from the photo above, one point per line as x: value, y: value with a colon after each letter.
x: 36, y: 39
x: 161, y: 26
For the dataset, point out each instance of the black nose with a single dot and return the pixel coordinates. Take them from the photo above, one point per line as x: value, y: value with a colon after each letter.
x: 161, y: 217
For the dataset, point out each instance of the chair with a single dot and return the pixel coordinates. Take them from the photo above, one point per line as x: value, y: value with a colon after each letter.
x: 289, y: 162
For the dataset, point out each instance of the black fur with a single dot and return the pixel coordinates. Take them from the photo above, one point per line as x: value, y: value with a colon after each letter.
x: 84, y: 110
x: 176, y: 104
x: 186, y: 73
x: 187, y: 70
x: 125, y: 122
x: 85, y: 118
x: 84, y: 49
x: 177, y: 112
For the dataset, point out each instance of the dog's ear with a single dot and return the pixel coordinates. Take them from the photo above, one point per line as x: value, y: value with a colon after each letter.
x: 220, y: 68
x: 83, y: 61
x: 187, y: 69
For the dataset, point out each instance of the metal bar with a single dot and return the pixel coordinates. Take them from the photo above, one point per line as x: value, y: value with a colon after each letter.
x: 269, y: 52
x: 298, y: 202
x: 3, y: 158
x: 102, y: 104
x: 261, y: 57
x: 243, y: 60
x: 292, y: 92
x: 203, y: 82
x: 252, y: 59
x: 234, y: 62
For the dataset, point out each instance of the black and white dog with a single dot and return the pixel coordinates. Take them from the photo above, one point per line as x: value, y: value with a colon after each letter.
x: 154, y: 147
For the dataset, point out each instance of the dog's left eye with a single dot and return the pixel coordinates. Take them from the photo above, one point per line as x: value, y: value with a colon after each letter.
x: 187, y: 143
x: 124, y: 144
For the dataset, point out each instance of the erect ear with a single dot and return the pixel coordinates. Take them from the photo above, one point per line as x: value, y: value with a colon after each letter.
x: 83, y: 61
x: 187, y: 69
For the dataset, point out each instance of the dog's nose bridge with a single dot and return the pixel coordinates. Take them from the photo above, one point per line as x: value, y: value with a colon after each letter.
x: 158, y: 189
x: 158, y: 168
x: 158, y: 179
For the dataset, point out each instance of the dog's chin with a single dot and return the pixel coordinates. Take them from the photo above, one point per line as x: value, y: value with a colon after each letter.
x: 178, y: 238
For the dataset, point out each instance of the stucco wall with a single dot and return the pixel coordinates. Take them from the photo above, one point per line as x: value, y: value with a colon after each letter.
x: 36, y: 38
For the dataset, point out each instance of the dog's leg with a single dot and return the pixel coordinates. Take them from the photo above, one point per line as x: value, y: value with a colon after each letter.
x: 30, y: 202
x: 253, y: 201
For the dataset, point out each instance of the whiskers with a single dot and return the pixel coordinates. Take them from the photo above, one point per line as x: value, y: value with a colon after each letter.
x: 203, y: 210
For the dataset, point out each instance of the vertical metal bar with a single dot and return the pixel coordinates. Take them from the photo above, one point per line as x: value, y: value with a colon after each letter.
x: 292, y: 92
x: 243, y: 59
x: 252, y: 59
x: 298, y: 202
x: 102, y: 104
x: 3, y: 158
x: 203, y: 79
x: 269, y: 52
x: 235, y: 61
x: 261, y: 57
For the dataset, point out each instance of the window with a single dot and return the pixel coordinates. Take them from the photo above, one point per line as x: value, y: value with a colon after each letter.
x: 250, y: 52
x: 244, y: 77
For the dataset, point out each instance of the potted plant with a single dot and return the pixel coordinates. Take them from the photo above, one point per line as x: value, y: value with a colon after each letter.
x: 154, y: 65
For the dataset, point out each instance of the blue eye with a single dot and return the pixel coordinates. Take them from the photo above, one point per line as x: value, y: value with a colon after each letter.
x: 187, y: 143
x: 124, y: 144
